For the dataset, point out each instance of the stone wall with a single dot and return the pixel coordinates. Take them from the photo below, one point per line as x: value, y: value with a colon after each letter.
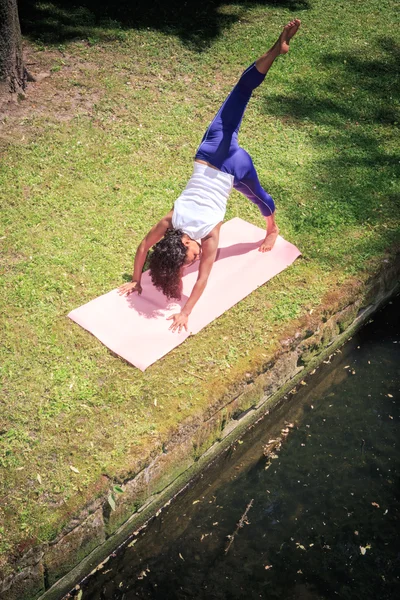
x: 51, y: 570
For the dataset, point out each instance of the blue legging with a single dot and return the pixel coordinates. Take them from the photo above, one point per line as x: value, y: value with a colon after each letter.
x: 220, y: 146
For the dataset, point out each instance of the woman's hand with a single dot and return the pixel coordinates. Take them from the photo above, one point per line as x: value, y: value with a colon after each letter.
x: 128, y: 288
x: 180, y: 320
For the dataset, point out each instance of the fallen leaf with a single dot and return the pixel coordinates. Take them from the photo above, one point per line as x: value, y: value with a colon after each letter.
x: 375, y: 504
x: 80, y: 595
x: 196, y: 501
x: 180, y: 556
x: 386, y: 512
x: 111, y: 501
x: 39, y: 478
x: 267, y: 567
x: 132, y: 543
x: 74, y: 469
x: 346, y: 367
x: 390, y: 396
x: 300, y: 546
x: 356, y: 533
x: 303, y: 383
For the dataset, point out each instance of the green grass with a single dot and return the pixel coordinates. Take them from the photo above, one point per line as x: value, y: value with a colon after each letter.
x: 83, y: 176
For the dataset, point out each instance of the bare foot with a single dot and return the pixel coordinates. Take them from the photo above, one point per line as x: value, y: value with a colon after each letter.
x: 269, y: 241
x: 288, y: 32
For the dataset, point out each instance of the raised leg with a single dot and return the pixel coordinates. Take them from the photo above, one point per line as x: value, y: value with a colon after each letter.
x: 220, y: 139
x: 281, y: 46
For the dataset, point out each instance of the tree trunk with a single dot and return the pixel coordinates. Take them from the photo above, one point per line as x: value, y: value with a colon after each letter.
x: 13, y: 75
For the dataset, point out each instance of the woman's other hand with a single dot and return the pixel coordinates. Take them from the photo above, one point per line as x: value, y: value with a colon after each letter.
x: 180, y: 320
x: 128, y: 288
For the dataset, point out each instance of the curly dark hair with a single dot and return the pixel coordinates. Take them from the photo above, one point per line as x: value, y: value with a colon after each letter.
x: 165, y: 263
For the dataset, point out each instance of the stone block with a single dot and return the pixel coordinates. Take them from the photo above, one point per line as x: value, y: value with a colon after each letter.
x: 27, y: 582
x: 63, y: 555
x: 162, y: 469
x: 346, y: 317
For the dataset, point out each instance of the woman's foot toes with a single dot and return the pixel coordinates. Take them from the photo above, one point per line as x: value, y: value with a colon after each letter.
x: 288, y: 32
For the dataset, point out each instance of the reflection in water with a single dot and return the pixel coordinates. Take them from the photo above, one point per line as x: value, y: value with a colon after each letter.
x: 323, y: 522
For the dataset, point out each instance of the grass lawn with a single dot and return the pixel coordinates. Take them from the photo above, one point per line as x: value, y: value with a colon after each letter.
x: 99, y: 151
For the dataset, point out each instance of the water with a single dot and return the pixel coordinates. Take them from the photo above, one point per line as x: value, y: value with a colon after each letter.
x: 322, y: 471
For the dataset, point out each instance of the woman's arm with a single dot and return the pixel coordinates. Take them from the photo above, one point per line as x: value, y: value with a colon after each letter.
x: 209, y: 247
x: 155, y: 234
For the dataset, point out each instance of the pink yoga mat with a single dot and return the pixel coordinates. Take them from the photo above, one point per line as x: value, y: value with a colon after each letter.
x: 135, y: 327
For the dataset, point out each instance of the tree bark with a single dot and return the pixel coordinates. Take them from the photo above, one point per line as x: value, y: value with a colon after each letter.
x: 13, y: 75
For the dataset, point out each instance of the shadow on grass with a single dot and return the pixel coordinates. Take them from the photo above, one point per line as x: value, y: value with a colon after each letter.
x: 351, y: 114
x: 197, y: 24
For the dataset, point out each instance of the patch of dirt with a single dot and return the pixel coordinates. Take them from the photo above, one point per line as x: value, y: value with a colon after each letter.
x: 54, y: 96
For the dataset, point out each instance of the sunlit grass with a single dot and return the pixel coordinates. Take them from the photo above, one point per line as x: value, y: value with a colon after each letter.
x: 84, y: 178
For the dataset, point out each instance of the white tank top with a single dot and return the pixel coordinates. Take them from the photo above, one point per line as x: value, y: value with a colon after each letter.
x: 202, y: 204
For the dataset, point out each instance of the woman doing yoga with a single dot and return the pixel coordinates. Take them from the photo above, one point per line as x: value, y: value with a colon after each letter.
x: 190, y: 231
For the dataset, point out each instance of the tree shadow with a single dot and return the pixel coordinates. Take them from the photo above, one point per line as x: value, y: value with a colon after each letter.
x: 197, y: 24
x: 350, y: 113
x: 375, y: 83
